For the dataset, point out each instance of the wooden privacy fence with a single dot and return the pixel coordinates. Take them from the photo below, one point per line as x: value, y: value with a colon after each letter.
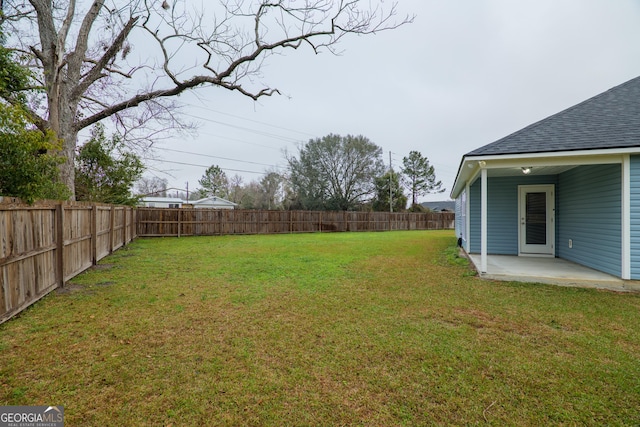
x: 156, y: 222
x: 43, y: 246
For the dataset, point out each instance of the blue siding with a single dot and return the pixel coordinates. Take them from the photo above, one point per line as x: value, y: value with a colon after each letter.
x: 589, y: 212
x: 635, y: 218
x: 458, y: 218
x: 474, y: 221
x: 502, y: 212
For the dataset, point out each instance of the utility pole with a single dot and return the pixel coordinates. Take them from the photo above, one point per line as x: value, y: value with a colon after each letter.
x: 390, y: 181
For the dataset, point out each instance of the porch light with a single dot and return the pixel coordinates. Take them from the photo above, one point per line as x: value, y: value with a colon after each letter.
x: 526, y: 170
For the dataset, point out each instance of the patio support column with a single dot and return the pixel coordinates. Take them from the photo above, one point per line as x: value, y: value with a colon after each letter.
x: 626, y: 217
x: 467, y: 216
x: 483, y: 221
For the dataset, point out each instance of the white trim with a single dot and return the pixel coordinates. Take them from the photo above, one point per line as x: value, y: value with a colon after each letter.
x: 483, y: 222
x: 555, y: 161
x: 551, y: 154
x: 469, y: 167
x: 550, y: 248
x: 626, y: 217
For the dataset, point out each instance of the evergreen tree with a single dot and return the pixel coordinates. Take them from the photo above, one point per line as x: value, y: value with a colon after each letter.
x: 419, y: 176
x: 214, y: 182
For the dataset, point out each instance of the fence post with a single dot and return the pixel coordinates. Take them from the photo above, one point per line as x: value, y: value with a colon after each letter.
x: 134, y: 225
x: 125, y: 226
x: 94, y: 234
x: 179, y: 225
x: 60, y: 244
x: 112, y: 220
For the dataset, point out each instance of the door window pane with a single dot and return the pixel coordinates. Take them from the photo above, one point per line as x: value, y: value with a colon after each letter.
x: 536, y: 218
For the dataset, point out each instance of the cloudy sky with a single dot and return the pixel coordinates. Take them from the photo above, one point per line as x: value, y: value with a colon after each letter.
x: 463, y: 74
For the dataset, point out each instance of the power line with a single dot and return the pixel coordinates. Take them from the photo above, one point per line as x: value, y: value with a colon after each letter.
x: 206, y: 166
x: 239, y: 140
x: 246, y: 129
x: 251, y: 120
x: 213, y: 157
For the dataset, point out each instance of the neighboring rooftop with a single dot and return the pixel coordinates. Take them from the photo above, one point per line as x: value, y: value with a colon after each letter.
x: 608, y: 120
x: 446, y: 205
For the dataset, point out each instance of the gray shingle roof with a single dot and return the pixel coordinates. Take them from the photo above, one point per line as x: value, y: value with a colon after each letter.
x: 449, y: 205
x: 608, y: 120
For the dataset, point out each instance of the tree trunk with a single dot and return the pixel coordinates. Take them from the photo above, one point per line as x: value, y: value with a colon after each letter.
x: 62, y: 121
x: 67, y: 169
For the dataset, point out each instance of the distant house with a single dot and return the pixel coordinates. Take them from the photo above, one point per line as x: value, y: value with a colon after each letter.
x: 174, y: 202
x: 567, y: 186
x: 161, y: 202
x: 213, y: 202
x: 444, y: 206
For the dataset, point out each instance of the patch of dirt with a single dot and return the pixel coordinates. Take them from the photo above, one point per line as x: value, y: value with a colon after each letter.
x: 100, y: 267
x: 105, y: 283
x: 69, y: 288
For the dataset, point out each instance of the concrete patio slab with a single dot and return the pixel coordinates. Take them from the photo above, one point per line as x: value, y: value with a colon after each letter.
x: 554, y: 271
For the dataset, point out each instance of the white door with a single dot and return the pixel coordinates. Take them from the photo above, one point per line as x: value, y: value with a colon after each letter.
x: 537, y: 219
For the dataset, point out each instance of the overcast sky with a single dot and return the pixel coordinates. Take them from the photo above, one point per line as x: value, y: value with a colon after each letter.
x: 465, y: 73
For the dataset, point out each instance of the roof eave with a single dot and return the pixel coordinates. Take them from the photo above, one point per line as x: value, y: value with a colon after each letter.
x: 470, y: 165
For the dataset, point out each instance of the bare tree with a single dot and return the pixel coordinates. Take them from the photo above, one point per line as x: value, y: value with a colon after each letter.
x: 235, y: 188
x: 128, y: 60
x: 335, y: 172
x: 153, y: 186
x: 272, y: 191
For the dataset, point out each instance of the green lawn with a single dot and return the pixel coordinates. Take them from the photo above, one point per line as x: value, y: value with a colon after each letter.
x: 374, y: 329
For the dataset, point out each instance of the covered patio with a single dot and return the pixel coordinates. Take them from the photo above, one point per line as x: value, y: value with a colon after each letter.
x: 554, y: 271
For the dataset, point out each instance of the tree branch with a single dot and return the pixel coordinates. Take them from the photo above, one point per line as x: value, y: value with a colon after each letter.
x: 96, y: 72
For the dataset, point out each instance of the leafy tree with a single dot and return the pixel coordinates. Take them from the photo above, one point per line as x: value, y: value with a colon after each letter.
x: 419, y: 176
x: 335, y: 172
x: 26, y: 171
x: 105, y: 171
x: 85, y: 58
x: 381, y: 201
x: 214, y: 182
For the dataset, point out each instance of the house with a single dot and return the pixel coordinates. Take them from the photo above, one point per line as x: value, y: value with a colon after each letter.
x: 213, y: 202
x: 161, y: 202
x: 173, y: 202
x: 443, y: 206
x: 565, y: 187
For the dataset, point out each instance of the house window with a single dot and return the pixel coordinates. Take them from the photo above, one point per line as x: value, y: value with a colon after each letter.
x: 174, y: 205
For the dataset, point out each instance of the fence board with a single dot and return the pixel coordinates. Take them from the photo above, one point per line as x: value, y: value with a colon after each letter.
x: 44, y: 245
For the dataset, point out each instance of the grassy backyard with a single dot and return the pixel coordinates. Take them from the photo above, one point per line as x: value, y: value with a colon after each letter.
x: 320, y: 329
